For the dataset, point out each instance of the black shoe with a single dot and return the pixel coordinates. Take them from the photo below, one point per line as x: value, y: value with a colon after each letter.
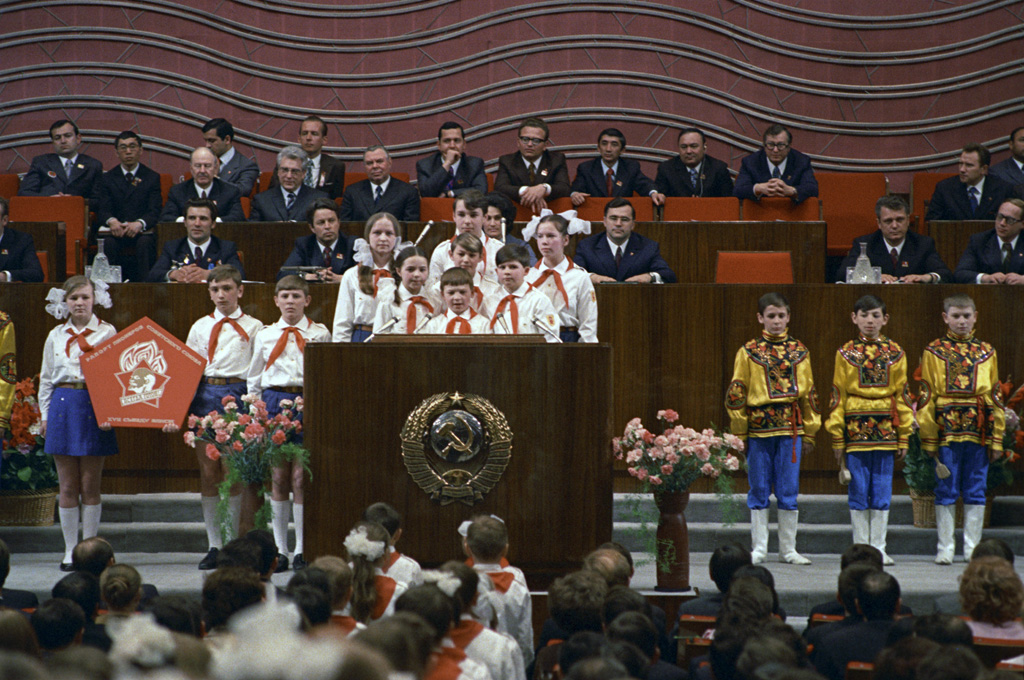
x: 298, y: 563
x: 210, y: 561
x: 282, y: 563
x: 66, y: 566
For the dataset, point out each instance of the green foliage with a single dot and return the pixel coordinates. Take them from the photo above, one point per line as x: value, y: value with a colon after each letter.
x: 919, y: 467
x: 29, y: 471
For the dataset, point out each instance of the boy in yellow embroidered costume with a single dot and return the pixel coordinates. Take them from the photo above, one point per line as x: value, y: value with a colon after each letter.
x: 771, y: 405
x: 870, y: 419
x: 961, y: 419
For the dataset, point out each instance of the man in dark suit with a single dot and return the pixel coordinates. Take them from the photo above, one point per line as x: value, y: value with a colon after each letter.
x: 235, y: 168
x: 128, y: 210
x: 611, y: 175
x: 619, y: 254
x: 533, y: 175
x: 18, y: 260
x: 776, y: 170
x: 693, y: 172
x: 15, y: 599
x: 326, y: 247
x: 94, y: 555
x: 974, y: 194
x: 323, y: 172
x: 189, y: 259
x: 1011, y: 170
x: 66, y: 172
x: 289, y: 201
x: 903, y: 255
x: 380, y: 192
x: 204, y: 185
x: 449, y: 171
x: 997, y: 255
x: 878, y: 601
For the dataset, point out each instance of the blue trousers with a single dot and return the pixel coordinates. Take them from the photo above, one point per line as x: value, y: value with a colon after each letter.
x: 770, y: 467
x: 871, y: 483
x: 968, y: 467
x: 208, y: 397
x: 569, y: 336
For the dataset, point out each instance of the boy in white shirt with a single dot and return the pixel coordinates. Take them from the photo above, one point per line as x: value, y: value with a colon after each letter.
x: 468, y: 214
x: 467, y: 252
x: 517, y: 308
x: 400, y: 567
x: 460, y: 318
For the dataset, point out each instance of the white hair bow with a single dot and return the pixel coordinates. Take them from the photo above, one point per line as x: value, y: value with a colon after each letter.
x: 576, y: 225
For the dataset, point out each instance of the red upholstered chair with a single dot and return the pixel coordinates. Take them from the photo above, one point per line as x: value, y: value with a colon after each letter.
x: 859, y: 670
x: 695, y: 626
x: 246, y: 205
x: 44, y: 262
x: 264, y: 182
x: 776, y: 208
x: 490, y: 181
x: 992, y: 651
x: 694, y: 209
x: 166, y: 182
x: 437, y: 209
x: 71, y: 210
x: 9, y: 185
x: 593, y: 208
x: 848, y: 205
x: 766, y: 266
x: 922, y: 186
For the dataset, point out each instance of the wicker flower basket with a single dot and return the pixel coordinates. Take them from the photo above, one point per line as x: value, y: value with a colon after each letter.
x: 924, y: 510
x: 28, y: 508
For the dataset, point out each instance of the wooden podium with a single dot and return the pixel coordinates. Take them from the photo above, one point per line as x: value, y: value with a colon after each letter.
x: 556, y: 493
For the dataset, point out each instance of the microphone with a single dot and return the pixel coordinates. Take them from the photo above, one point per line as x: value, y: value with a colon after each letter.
x: 424, y: 232
x: 501, y: 320
x: 383, y: 329
x: 545, y: 330
x: 423, y: 323
x: 503, y: 230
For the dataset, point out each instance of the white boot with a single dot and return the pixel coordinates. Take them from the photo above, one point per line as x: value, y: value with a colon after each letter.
x: 787, y: 537
x: 974, y: 522
x: 879, y: 523
x: 947, y: 540
x: 758, y: 535
x: 861, y: 530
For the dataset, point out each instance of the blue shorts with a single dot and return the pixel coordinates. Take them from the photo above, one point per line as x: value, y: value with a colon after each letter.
x: 273, y: 399
x: 71, y: 428
x: 208, y: 397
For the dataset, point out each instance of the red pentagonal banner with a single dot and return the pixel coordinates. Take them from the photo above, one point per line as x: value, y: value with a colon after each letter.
x: 142, y: 377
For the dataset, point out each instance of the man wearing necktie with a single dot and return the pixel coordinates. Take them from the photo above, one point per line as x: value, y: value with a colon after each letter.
x: 128, y: 209
x: 904, y: 256
x: 449, y: 171
x: 189, y: 259
x: 777, y: 170
x: 204, y: 184
x: 326, y: 247
x: 996, y: 255
x: 289, y: 201
x: 692, y: 172
x: 610, y: 174
x: 973, y: 194
x: 66, y: 172
x: 379, y: 192
x: 620, y: 254
x: 533, y: 175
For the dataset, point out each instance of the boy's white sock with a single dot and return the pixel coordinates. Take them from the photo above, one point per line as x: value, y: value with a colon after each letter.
x: 210, y: 520
x: 297, y: 514
x: 281, y: 510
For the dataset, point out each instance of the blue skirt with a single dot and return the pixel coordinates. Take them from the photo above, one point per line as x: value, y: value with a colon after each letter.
x: 273, y: 399
x: 208, y: 397
x: 569, y: 336
x: 360, y: 335
x: 71, y: 428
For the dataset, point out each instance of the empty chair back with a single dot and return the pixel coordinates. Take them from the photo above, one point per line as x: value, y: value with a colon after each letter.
x: 766, y: 266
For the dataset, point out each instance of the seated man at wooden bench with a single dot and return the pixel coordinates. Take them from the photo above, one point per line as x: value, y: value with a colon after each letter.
x: 18, y: 260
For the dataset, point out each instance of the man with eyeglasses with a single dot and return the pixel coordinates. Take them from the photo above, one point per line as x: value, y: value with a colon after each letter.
x: 997, y: 255
x: 973, y: 194
x: 128, y: 208
x: 290, y: 199
x: 533, y: 175
x: 693, y: 172
x: 66, y: 172
x: 776, y: 170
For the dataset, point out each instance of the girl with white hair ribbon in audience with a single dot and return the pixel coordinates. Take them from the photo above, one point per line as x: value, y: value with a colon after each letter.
x: 360, y: 285
x: 72, y: 436
x: 373, y: 593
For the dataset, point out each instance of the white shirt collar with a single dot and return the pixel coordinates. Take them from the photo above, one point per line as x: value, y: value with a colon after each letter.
x: 612, y: 245
x: 781, y: 166
x: 1013, y: 243
x: 285, y: 192
x: 134, y: 171
x: 889, y: 246
x: 226, y: 158
x: 218, y: 315
x: 302, y: 325
x: 200, y: 190
x: 980, y: 186
x: 518, y: 292
x: 192, y: 245
x: 383, y: 186
x: 614, y: 168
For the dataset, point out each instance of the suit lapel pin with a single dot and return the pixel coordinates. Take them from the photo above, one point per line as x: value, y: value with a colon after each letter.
x: 80, y: 166
x: 618, y: 182
x: 51, y: 174
x: 4, y: 252
x: 543, y: 173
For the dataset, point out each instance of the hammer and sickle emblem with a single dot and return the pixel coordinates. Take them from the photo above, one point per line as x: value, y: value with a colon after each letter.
x: 448, y: 430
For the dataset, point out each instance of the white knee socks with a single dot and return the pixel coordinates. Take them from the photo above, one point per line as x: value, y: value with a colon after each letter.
x: 281, y: 510
x: 210, y: 520
x: 69, y: 527
x: 91, y: 520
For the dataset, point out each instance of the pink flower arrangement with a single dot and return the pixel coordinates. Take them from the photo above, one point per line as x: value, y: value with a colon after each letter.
x: 674, y: 459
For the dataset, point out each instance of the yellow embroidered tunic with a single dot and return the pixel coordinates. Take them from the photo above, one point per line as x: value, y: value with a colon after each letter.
x: 8, y: 370
x: 870, y: 407
x: 772, y: 390
x: 960, y: 399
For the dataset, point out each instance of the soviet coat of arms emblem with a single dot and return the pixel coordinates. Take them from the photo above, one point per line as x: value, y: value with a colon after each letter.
x: 456, y: 447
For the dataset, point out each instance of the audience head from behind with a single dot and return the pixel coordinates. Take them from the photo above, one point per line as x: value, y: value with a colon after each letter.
x: 177, y: 613
x: 725, y: 560
x: 860, y: 552
x: 241, y: 552
x: 388, y: 517
x: 610, y: 565
x: 433, y: 605
x: 340, y: 575
x: 621, y: 599
x: 121, y: 588
x: 878, y: 597
x: 92, y: 555
x: 576, y: 601
x: 405, y: 639
x: 58, y: 623
x: 637, y: 629
x: 268, y: 549
x: 584, y: 644
x: 16, y: 634
x: 765, y: 653
x: 366, y: 545
x: 749, y: 600
x: 486, y: 540
x: 900, y: 660
x: 950, y: 662
x: 312, y: 602
x: 81, y: 588
x: 944, y: 629
x: 464, y: 596
x: 313, y: 577
x: 991, y: 591
x: 227, y: 591
x: 604, y: 667
x: 629, y: 655
x: 987, y: 547
x: 850, y: 580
